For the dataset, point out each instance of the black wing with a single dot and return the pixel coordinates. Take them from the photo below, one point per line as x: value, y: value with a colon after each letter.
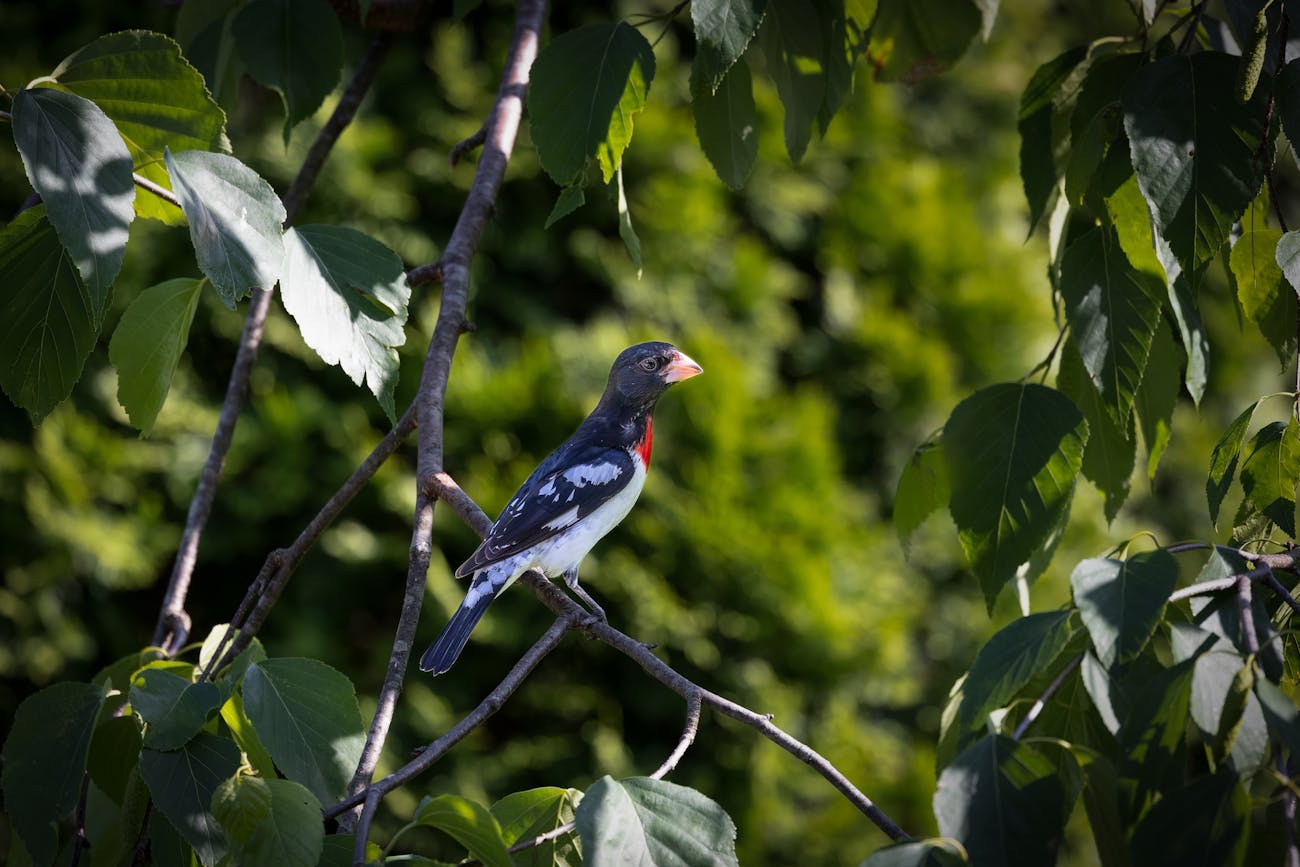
x: 569, y: 485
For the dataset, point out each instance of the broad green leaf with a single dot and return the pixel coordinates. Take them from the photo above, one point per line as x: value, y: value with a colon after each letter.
x: 1193, y: 147
x: 48, y: 322
x: 1040, y: 154
x: 235, y: 220
x: 469, y: 823
x: 1152, y: 739
x: 1121, y: 601
x: 1017, y: 653
x: 167, y: 847
x: 912, y: 40
x: 241, y: 729
x: 1221, y: 613
x: 271, y: 822
x: 1223, y: 461
x: 1097, y: 683
x: 1287, y: 88
x: 586, y: 87
x: 570, y: 199
x: 625, y: 229
x: 1206, y: 822
x: 528, y: 814
x: 1131, y: 218
x: 182, y: 783
x: 918, y: 853
x: 1112, y: 449
x: 154, y: 98
x: 45, y: 761
x: 205, y: 29
x: 922, y: 488
x: 727, y: 125
x: 147, y: 345
x: 173, y: 706
x: 723, y: 30
x: 1157, y: 396
x: 794, y: 46
x: 1266, y: 298
x: 306, y: 715
x: 114, y: 754
x: 235, y: 671
x: 1280, y: 713
x: 294, y: 47
x: 118, y: 673
x: 846, y: 27
x: 652, y: 822
x: 348, y: 293
x: 1288, y: 258
x: 1113, y: 310
x: 1100, y: 799
x: 1013, y: 452
x: 76, y: 160
x: 1231, y: 721
x: 1004, y: 802
x: 1270, y: 471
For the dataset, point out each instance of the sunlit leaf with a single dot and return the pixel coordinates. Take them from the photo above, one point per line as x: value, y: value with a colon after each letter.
x: 652, y: 822
x: 918, y: 853
x: 922, y: 489
x: 1288, y: 258
x: 1121, y: 601
x: 147, y: 345
x: 1112, y: 449
x: 76, y: 160
x: 531, y: 813
x: 469, y: 823
x: 1265, y: 296
x: 1270, y: 471
x: 1014, y: 452
x: 1157, y: 396
x: 1229, y: 718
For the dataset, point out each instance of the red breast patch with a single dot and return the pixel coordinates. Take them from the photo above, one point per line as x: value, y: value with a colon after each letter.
x: 643, y: 447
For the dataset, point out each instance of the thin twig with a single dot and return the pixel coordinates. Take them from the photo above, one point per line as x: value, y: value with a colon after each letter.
x: 503, y: 127
x: 1194, y: 14
x: 80, y: 843
x: 6, y: 116
x: 1277, y: 587
x: 1038, y: 705
x: 173, y: 622
x: 693, y: 703
x: 466, y: 145
x: 553, y: 834
x: 422, y: 274
x: 343, y: 113
x: 161, y: 192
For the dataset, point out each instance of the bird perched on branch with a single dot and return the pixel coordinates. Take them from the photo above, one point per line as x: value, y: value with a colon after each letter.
x: 576, y: 496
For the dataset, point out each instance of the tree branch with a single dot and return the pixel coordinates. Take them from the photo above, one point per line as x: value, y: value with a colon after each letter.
x: 173, y: 622
x: 693, y: 703
x: 1042, y: 700
x: 161, y: 192
x: 80, y: 843
x: 503, y: 127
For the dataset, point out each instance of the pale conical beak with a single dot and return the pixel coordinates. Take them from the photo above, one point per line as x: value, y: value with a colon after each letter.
x: 681, y: 367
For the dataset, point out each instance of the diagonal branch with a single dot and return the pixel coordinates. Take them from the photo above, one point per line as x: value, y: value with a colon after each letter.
x: 502, y: 127
x: 173, y: 622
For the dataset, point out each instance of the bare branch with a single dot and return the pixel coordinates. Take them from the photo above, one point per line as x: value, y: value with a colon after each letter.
x: 1038, y: 705
x: 422, y: 274
x: 161, y: 192
x: 466, y: 145
x: 693, y: 702
x: 503, y: 127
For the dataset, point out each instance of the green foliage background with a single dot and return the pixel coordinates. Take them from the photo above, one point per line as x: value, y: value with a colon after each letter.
x: 840, y: 309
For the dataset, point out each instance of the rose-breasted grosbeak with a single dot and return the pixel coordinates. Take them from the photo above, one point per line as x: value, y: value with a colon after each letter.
x: 576, y: 496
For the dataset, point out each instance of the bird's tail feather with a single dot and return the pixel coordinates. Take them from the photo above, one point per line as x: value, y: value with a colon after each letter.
x: 442, y: 654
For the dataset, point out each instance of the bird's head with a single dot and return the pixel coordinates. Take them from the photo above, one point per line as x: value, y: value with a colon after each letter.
x: 641, y: 373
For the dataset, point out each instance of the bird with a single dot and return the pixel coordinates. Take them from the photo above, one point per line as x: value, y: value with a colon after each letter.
x: 580, y: 492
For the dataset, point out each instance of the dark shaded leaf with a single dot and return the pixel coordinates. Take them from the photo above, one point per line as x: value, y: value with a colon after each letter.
x: 173, y: 706
x: 1121, y: 601
x: 1152, y: 739
x: 1040, y: 156
x: 271, y: 822
x: 1157, y: 396
x: 652, y: 822
x: 918, y: 853
x: 1203, y: 824
x: 114, y: 754
x: 723, y: 30
x: 1223, y: 461
x: 912, y: 40
x: 1270, y: 471
x: 182, y: 783
x: 469, y: 823
x: 793, y: 42
x: 922, y: 489
x: 531, y: 813
x: 727, y: 125
x: 1109, y: 456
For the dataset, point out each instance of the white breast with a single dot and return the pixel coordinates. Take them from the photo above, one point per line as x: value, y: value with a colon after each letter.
x: 558, y: 554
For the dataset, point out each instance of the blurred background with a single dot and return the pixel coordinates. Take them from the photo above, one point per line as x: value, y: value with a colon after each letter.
x: 840, y: 309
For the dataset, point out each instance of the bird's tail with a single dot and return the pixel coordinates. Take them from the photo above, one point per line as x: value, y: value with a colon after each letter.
x: 442, y: 654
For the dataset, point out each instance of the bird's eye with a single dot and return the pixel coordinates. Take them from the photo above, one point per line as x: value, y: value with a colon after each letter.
x: 650, y: 365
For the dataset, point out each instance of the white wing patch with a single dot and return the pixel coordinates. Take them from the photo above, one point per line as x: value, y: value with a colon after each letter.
x: 562, y: 521
x: 592, y: 474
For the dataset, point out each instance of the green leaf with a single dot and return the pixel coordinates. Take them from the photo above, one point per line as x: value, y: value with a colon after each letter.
x: 652, y: 822
x: 294, y: 47
x: 1193, y: 147
x: 1004, y: 802
x: 182, y: 783
x: 45, y: 761
x: 1280, y: 713
x: 348, y: 293
x: 1017, y: 653
x: 1223, y: 461
x: 1265, y: 297
x: 922, y: 488
x: 271, y: 822
x: 147, y: 345
x: 625, y: 229
x: 1013, y: 452
x: 154, y: 98
x: 306, y: 714
x: 235, y: 670
x: 1228, y: 716
x: 1287, y: 89
x: 1131, y: 219
x: 1097, y: 683
x: 47, y: 320
x: 205, y: 29
x: 114, y: 754
x: 727, y: 125
x: 1121, y: 601
x: 528, y: 814
x: 1113, y: 310
x: 1040, y: 155
x: 1288, y: 258
x: 912, y: 40
x: 793, y: 43
x: 174, y: 707
x: 469, y: 823
x: 1156, y: 397
x: 918, y: 853
x: 241, y: 729
x: 1152, y: 739
x: 586, y: 87
x: 235, y: 220
x: 723, y: 30
x: 1100, y: 800
x: 570, y: 199
x: 1221, y: 613
x: 1270, y: 471
x: 1206, y: 822
x: 1112, y: 449
x: 76, y: 160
